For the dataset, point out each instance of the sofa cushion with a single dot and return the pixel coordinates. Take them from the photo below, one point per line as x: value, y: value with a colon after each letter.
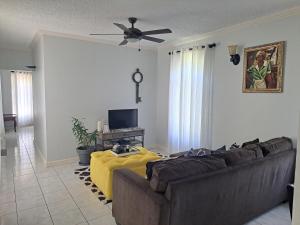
x: 175, y: 169
x: 241, y: 155
x: 276, y: 145
x: 256, y: 149
x: 255, y: 141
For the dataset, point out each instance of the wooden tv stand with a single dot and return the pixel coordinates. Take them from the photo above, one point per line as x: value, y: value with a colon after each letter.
x: 134, y: 135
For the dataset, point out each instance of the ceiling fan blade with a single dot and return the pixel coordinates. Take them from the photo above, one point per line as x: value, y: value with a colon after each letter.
x: 121, y: 26
x: 161, y: 31
x: 153, y: 39
x: 124, y: 42
x: 104, y: 34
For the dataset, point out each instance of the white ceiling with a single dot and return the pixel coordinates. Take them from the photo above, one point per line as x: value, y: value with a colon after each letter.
x: 21, y: 19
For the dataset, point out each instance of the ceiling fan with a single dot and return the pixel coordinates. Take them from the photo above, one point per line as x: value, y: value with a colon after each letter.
x: 133, y: 34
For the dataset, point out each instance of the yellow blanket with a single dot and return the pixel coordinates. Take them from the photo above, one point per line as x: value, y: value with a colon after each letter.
x: 104, y: 163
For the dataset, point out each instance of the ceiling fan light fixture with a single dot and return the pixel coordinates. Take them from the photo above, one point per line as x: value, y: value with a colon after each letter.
x: 132, y: 39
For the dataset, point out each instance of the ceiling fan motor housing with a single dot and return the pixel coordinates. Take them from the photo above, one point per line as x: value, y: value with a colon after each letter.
x: 133, y: 33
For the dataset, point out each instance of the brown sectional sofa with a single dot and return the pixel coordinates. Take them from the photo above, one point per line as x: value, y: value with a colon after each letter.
x: 230, y: 188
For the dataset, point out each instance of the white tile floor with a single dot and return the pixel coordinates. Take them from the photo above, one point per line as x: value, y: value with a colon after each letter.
x: 31, y: 194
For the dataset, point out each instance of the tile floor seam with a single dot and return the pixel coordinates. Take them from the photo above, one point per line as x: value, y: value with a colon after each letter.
x: 34, y: 172
x: 86, y: 220
x: 15, y: 198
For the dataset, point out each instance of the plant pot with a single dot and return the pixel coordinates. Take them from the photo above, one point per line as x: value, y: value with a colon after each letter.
x: 84, y: 154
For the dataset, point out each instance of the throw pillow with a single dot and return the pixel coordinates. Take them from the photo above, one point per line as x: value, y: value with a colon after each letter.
x: 255, y: 141
x: 276, y: 145
x: 239, y: 156
x: 256, y: 149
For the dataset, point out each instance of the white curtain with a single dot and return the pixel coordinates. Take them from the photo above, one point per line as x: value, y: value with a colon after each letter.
x: 22, y: 100
x: 190, y: 99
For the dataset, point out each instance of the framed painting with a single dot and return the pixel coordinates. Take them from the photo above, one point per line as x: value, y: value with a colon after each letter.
x: 263, y: 68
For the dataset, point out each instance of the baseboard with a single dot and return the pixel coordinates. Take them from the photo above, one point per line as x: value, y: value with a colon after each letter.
x: 62, y: 161
x: 36, y: 147
x: 54, y: 162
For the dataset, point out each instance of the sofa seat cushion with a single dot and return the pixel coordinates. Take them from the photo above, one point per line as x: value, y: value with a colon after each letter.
x: 175, y: 169
x: 276, y: 145
x: 242, y: 155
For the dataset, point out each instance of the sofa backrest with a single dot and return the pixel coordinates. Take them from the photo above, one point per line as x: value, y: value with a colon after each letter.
x: 174, y: 169
x: 162, y: 172
x: 234, y: 194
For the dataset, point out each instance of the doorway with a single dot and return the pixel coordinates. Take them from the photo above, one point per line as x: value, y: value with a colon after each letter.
x: 17, y: 99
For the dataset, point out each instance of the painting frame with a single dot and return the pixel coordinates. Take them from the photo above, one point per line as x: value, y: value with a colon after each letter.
x: 275, y: 68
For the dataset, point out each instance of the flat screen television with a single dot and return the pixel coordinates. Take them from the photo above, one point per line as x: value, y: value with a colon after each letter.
x: 122, y: 118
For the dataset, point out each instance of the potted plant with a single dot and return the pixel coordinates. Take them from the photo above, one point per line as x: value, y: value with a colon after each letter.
x: 86, y: 141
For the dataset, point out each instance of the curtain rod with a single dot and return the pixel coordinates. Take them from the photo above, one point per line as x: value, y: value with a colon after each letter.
x: 212, y: 45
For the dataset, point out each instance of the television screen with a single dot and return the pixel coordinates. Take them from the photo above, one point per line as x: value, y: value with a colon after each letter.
x: 122, y: 118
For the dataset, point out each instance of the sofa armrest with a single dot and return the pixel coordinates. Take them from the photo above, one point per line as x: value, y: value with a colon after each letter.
x: 135, y: 203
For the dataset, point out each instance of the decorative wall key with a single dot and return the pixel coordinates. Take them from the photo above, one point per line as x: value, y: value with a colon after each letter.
x: 137, y: 78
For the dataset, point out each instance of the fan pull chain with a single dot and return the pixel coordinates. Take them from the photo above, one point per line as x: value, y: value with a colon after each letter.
x: 140, y: 45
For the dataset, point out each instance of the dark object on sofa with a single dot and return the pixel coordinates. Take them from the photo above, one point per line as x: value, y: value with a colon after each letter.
x: 255, y: 141
x: 195, y: 152
x: 191, y: 152
x: 227, y: 196
x: 234, y: 146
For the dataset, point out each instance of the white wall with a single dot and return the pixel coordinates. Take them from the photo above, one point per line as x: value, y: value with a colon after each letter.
x: 14, y: 59
x: 6, y: 91
x: 237, y: 116
x: 163, y: 69
x: 39, y: 107
x: 85, y: 79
